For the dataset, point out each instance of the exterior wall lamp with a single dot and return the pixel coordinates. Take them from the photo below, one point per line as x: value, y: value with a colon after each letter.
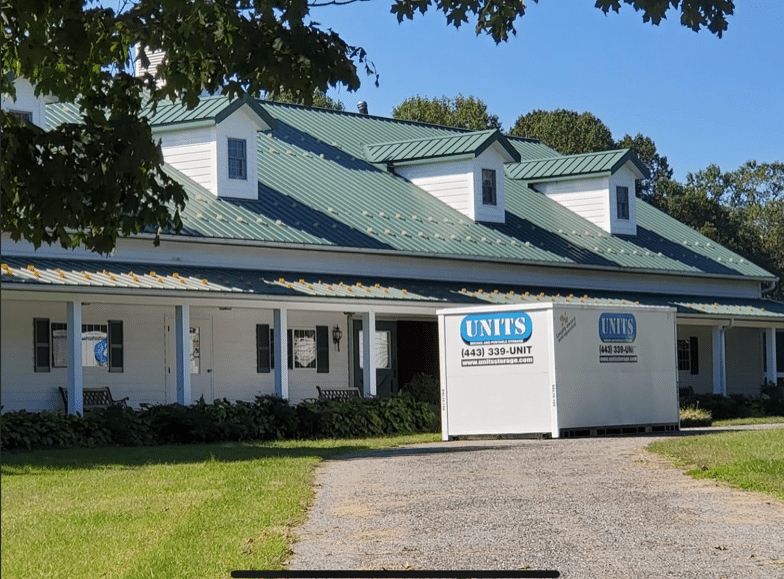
x: 336, y: 336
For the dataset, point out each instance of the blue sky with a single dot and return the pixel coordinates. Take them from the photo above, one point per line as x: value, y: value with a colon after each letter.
x: 702, y: 99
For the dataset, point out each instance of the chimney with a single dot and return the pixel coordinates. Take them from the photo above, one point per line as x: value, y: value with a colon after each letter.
x: 362, y: 106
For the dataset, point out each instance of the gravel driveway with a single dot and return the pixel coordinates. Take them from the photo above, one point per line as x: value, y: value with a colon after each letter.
x: 589, y: 508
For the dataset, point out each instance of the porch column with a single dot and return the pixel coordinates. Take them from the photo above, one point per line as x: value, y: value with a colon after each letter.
x: 369, y: 353
x: 771, y: 370
x: 182, y: 324
x: 75, y: 378
x: 281, y: 321
x: 719, y: 362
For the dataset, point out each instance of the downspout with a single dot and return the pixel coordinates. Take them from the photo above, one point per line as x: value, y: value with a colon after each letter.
x: 770, y: 288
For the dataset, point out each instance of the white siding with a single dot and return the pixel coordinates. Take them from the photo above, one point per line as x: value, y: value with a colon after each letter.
x: 745, y: 373
x: 26, y: 101
x: 489, y: 159
x: 702, y: 381
x: 143, y: 376
x: 243, y: 124
x: 586, y: 197
x: 449, y: 181
x: 623, y: 178
x: 193, y: 153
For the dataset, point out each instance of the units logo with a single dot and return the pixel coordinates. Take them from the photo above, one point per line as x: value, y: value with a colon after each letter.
x: 617, y: 327
x: 501, y: 327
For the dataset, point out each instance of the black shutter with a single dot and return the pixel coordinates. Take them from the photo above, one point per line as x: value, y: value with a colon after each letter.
x: 272, y: 349
x: 695, y: 356
x: 41, y: 346
x: 322, y: 349
x: 115, y: 339
x: 291, y: 349
x: 263, y: 348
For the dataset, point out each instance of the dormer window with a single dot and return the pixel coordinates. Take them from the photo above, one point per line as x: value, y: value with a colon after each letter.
x: 238, y: 159
x: 622, y: 199
x: 489, y: 196
x: 23, y: 117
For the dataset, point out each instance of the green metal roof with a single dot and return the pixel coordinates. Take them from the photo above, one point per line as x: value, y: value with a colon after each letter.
x: 214, y: 109
x: 58, y: 274
x: 442, y: 146
x: 317, y: 189
x: 574, y: 165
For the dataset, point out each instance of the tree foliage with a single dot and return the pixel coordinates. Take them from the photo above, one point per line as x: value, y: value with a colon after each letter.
x: 566, y: 131
x: 459, y: 112
x: 319, y: 99
x: 741, y: 209
x: 92, y: 182
x: 658, y: 165
x: 497, y: 17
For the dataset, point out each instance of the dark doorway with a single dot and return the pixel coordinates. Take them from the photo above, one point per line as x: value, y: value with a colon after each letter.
x: 417, y: 350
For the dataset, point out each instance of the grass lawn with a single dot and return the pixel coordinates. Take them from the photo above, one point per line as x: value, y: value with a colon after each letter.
x: 195, y: 511
x: 751, y: 459
x: 755, y: 420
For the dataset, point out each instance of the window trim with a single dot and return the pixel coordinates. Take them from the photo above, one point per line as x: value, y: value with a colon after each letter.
x: 623, y: 208
x: 489, y: 191
x: 24, y: 117
x: 688, y: 355
x: 115, y: 343
x: 265, y: 352
x: 242, y: 175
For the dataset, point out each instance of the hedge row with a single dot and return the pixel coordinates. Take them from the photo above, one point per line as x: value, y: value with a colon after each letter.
x: 770, y: 402
x: 268, y: 418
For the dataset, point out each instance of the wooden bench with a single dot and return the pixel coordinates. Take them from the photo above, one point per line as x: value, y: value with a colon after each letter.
x: 94, y: 398
x: 337, y: 393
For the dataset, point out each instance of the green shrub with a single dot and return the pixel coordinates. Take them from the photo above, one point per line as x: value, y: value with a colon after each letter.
x: 694, y: 416
x: 267, y: 418
x: 424, y: 388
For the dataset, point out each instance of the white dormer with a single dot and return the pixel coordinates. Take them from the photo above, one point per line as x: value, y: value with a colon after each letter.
x: 599, y: 187
x: 464, y: 170
x: 26, y: 106
x: 217, y: 150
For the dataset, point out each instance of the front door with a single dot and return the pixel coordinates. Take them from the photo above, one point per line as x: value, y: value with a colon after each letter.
x: 200, y: 352
x: 386, y: 358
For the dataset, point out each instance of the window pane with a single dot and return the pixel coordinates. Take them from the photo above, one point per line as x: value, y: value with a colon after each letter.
x: 488, y: 187
x: 59, y: 345
x: 622, y: 197
x: 237, y: 159
x: 304, y: 348
x: 383, y: 350
x: 684, y: 355
x: 195, y: 351
x: 94, y: 346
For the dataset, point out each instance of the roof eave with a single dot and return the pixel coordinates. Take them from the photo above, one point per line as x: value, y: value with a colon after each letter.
x: 458, y: 257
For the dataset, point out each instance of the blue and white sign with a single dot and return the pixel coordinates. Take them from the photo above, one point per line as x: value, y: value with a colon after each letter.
x: 496, y: 328
x: 617, y: 327
x: 101, y: 353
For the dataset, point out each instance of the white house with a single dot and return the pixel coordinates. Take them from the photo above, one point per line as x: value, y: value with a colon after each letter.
x: 318, y: 245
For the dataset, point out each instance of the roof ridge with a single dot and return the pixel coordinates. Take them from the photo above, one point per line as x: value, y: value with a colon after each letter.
x: 573, y: 155
x: 438, y: 138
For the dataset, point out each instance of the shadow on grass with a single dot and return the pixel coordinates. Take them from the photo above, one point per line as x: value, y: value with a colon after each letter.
x: 131, y: 457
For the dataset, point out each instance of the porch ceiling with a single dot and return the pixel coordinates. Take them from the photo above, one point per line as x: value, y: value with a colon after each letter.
x: 59, y: 275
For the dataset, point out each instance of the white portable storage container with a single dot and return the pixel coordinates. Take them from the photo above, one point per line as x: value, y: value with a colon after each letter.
x: 557, y: 369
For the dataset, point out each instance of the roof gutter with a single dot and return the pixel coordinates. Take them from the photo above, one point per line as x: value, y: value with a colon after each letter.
x: 478, y: 258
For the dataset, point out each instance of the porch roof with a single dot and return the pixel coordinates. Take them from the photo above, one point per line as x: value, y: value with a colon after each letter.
x: 113, y: 277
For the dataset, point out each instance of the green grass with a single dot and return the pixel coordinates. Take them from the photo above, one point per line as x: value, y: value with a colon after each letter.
x: 159, y: 512
x: 755, y: 420
x: 751, y: 459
